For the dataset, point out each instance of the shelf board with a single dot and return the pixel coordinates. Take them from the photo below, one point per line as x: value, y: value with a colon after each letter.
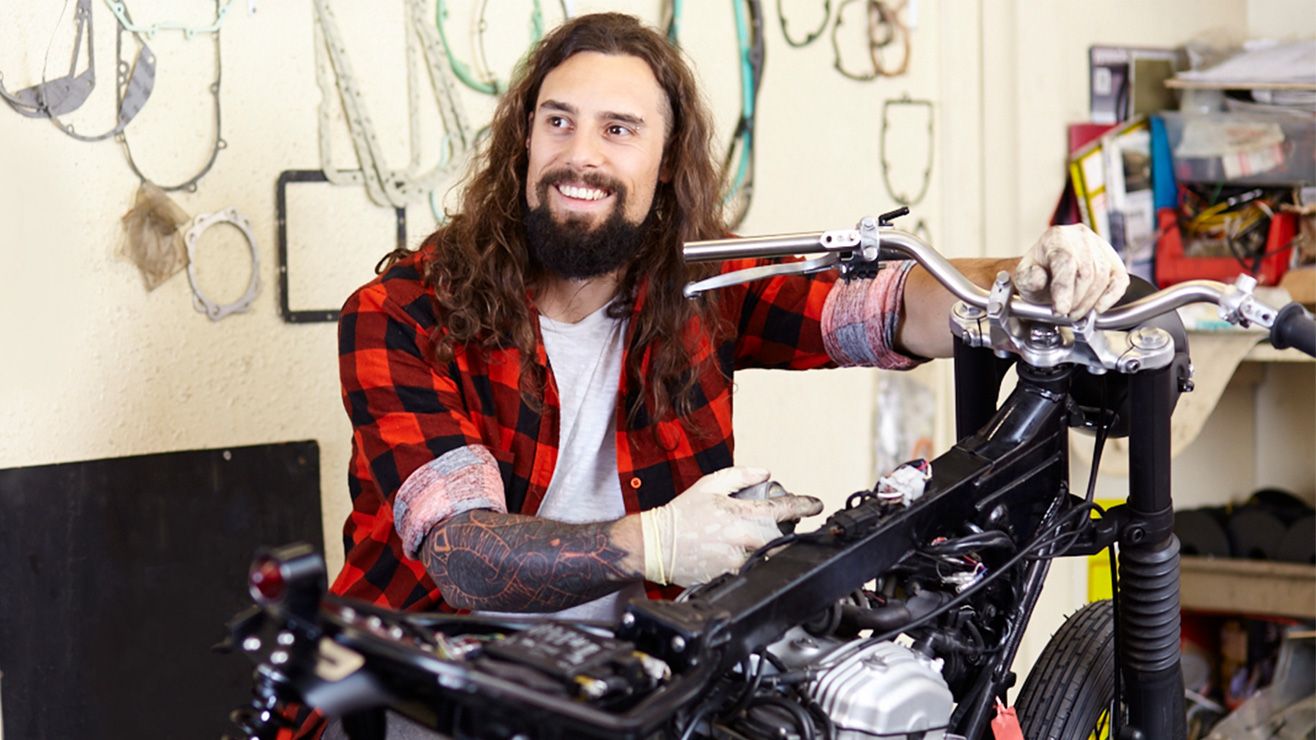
x: 1248, y: 587
x: 1179, y: 84
x: 1263, y: 352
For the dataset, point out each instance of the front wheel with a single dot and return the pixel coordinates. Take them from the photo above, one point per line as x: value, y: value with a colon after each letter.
x: 1071, y: 689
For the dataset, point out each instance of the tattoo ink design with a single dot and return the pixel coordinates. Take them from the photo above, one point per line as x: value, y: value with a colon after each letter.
x: 508, y: 562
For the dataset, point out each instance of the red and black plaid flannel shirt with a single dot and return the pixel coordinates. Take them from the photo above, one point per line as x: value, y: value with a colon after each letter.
x: 406, y: 412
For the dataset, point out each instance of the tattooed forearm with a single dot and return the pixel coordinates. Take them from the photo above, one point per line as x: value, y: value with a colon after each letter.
x: 507, y: 562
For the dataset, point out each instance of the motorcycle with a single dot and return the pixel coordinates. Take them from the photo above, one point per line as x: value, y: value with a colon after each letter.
x: 899, y: 617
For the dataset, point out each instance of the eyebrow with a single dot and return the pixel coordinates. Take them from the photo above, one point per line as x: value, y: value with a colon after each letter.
x: 557, y: 105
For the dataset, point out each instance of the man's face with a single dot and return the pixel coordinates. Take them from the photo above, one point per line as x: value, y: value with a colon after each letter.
x: 596, y: 141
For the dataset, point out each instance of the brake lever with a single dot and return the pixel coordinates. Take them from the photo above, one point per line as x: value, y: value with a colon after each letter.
x: 750, y: 274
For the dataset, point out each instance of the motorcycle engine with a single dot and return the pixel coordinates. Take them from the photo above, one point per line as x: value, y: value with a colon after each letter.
x: 882, y: 689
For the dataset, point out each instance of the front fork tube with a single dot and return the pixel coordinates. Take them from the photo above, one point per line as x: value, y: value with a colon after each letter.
x: 1149, y: 571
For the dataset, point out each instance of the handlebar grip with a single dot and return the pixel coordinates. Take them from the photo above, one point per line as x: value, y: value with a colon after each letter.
x: 1294, y: 327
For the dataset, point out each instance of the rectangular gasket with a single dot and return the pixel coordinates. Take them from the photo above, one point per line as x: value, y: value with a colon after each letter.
x: 308, y: 316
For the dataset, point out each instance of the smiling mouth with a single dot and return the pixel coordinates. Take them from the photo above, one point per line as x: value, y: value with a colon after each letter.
x: 582, y: 192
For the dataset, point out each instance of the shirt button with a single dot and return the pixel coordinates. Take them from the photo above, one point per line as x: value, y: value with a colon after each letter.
x: 635, y: 483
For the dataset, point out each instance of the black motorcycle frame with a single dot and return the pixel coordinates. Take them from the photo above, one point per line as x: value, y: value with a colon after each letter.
x: 1011, y: 461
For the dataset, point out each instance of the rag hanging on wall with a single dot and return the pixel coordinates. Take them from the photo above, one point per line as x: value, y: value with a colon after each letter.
x: 886, y: 34
x: 738, y: 163
x: 385, y: 186
x: 152, y: 239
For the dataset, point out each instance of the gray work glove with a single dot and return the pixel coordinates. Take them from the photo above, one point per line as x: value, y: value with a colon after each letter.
x: 703, y: 532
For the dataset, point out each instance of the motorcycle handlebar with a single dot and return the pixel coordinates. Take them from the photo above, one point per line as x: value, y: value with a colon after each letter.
x: 1294, y: 327
x: 896, y: 244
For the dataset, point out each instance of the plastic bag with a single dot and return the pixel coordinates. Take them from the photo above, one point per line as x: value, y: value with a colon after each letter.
x: 152, y: 238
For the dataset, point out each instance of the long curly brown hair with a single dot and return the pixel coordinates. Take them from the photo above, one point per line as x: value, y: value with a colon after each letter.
x: 480, y: 268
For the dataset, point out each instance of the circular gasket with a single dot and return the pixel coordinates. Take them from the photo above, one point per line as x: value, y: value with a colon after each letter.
x: 200, y: 301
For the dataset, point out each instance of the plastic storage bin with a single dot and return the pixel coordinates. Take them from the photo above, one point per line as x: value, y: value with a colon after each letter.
x: 1173, y: 266
x: 1253, y: 148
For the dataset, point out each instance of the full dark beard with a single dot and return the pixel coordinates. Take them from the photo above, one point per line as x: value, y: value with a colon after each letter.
x: 570, y: 248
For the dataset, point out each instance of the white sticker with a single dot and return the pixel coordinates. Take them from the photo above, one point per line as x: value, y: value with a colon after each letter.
x: 337, y: 662
x: 1101, y: 81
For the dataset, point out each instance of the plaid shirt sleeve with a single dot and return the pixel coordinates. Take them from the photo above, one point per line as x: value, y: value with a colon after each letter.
x: 413, y: 445
x: 798, y: 322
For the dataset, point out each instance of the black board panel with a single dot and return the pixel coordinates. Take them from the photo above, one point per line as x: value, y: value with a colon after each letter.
x: 118, y: 575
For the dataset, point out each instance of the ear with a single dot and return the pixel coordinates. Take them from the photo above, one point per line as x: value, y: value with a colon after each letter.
x: 664, y: 171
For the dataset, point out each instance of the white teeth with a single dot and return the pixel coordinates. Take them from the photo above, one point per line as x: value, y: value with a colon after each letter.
x: 579, y: 193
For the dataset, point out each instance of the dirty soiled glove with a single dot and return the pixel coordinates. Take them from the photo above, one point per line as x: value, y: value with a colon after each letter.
x: 1074, y: 270
x: 703, y: 532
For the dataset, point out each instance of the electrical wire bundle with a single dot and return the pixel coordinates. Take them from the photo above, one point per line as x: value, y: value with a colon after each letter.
x: 1220, y: 221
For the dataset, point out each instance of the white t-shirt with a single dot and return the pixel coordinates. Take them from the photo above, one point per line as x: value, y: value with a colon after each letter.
x: 585, y: 359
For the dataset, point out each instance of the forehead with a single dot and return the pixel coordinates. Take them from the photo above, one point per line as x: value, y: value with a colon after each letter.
x: 594, y: 82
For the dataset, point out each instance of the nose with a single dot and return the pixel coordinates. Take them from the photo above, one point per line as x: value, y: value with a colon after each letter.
x: 584, y: 151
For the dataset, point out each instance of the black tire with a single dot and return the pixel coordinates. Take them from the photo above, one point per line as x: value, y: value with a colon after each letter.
x: 1069, y: 692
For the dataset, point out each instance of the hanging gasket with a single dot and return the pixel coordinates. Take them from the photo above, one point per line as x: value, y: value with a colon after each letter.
x: 390, y: 188
x: 133, y: 86
x: 483, y: 80
x: 121, y: 12
x: 308, y: 316
x: 190, y: 184
x: 809, y: 37
x: 737, y: 172
x: 482, y: 25
x: 884, y: 29
x: 893, y: 30
x: 62, y: 95
x: 903, y: 198
x: 200, y: 301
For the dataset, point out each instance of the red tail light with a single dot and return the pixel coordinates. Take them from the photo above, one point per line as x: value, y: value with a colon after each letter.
x: 266, y: 581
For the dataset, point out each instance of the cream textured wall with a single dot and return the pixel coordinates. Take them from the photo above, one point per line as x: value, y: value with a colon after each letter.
x: 95, y: 367
x: 103, y: 368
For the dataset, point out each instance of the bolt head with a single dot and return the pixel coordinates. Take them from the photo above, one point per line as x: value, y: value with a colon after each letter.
x: 251, y: 644
x: 628, y: 620
x: 279, y: 657
x: 1149, y: 338
x: 1043, y: 336
x: 964, y: 310
x: 678, y: 644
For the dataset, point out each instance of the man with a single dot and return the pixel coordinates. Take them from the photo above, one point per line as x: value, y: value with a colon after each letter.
x: 530, y: 391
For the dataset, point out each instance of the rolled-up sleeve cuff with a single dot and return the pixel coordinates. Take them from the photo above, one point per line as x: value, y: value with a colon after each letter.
x: 860, y: 318
x: 459, y: 480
